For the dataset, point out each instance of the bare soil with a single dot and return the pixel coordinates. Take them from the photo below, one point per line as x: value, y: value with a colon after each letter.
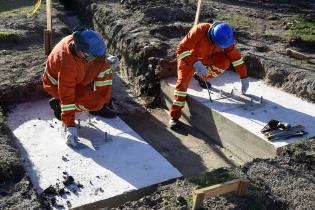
x: 145, y: 34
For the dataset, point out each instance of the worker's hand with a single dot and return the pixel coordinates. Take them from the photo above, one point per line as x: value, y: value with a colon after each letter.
x: 113, y: 61
x: 200, y: 69
x: 245, y: 84
x: 72, y: 136
x: 202, y: 81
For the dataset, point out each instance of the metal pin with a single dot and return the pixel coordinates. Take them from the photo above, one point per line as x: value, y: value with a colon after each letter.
x: 79, y: 123
x: 251, y: 102
x: 65, y: 128
x: 221, y: 93
x: 105, y: 138
x: 261, y: 100
x: 89, y: 119
x: 232, y: 92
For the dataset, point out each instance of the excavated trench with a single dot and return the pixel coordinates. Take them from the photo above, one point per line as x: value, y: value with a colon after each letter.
x: 144, y: 34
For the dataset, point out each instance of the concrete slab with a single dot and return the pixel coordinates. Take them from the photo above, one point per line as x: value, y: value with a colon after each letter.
x: 247, y: 112
x: 106, y: 168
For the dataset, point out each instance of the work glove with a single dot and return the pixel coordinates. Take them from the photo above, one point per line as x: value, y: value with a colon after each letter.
x: 72, y: 136
x: 200, y: 69
x: 245, y: 84
x: 202, y: 82
x: 113, y: 61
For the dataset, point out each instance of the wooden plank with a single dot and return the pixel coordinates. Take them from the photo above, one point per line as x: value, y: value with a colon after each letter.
x: 238, y: 185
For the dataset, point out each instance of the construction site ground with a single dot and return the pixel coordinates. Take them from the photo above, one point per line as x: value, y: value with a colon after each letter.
x: 263, y: 28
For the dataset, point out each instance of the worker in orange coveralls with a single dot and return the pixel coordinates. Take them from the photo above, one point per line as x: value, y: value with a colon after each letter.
x: 75, y: 62
x: 205, y: 52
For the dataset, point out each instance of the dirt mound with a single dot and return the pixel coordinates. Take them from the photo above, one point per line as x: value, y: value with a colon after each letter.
x: 289, y: 178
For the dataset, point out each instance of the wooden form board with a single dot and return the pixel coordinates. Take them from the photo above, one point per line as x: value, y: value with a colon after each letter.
x: 238, y: 185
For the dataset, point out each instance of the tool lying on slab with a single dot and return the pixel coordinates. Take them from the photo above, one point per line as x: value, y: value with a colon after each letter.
x: 275, y: 130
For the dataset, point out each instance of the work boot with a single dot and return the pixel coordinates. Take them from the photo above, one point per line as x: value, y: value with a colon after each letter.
x: 174, y: 124
x: 202, y: 83
x: 55, y: 106
x: 105, y: 112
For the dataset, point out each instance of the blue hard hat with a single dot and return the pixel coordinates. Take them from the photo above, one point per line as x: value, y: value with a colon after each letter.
x: 90, y: 42
x: 221, y: 34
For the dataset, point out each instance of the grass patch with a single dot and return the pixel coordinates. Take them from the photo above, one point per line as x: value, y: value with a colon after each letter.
x: 237, y: 21
x: 16, y: 7
x: 302, y: 29
x: 7, y: 34
x: 211, y: 178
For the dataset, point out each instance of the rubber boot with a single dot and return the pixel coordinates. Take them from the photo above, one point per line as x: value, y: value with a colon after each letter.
x: 55, y: 106
x: 174, y: 124
x: 105, y: 112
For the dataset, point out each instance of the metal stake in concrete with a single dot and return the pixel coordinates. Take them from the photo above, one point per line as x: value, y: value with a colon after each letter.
x: 107, y: 137
x: 208, y: 91
x: 79, y: 123
x: 261, y: 100
x: 221, y: 93
x: 231, y: 92
x: 251, y: 102
x: 65, y: 128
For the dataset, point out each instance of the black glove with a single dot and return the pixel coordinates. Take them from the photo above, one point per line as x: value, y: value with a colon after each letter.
x: 201, y: 82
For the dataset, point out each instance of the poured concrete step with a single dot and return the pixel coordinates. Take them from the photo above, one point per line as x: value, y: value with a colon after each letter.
x: 235, y: 121
x: 107, y: 167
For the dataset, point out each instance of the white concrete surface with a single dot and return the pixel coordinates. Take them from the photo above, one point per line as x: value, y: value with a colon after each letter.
x: 276, y: 104
x: 117, y: 166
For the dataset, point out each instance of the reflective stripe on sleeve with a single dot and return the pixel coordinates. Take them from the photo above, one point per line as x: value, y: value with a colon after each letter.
x: 67, y: 107
x: 184, y: 54
x: 82, y: 108
x: 179, y: 103
x: 104, y: 73
x: 103, y: 83
x: 213, y: 74
x: 180, y: 93
x: 238, y: 62
x: 218, y: 69
x: 51, y: 79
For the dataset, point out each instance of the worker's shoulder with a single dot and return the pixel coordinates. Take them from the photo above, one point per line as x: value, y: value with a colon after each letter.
x: 63, y: 47
x: 203, y: 26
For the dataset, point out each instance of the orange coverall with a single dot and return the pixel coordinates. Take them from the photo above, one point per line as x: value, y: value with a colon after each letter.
x: 195, y: 46
x: 66, y: 78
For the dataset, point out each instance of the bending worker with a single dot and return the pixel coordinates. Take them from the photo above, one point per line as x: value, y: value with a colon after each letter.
x: 75, y: 62
x: 206, y: 51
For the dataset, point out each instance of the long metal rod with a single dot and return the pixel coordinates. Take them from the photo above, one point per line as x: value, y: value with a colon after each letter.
x: 209, y: 92
x: 195, y: 23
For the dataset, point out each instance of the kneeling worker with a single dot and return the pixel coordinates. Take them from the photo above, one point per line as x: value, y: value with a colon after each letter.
x: 75, y: 62
x: 206, y: 51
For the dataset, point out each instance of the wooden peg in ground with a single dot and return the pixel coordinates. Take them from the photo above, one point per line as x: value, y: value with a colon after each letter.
x: 296, y: 54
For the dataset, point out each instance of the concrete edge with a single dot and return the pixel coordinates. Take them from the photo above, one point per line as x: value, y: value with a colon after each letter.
x: 123, y: 198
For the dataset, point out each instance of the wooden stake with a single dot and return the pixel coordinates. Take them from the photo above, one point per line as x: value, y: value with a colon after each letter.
x: 48, y: 31
x: 197, y: 12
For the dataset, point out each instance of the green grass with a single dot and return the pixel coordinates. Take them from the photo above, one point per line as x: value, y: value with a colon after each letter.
x: 7, y: 34
x: 211, y: 178
x: 237, y: 21
x: 16, y: 7
x: 302, y: 29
